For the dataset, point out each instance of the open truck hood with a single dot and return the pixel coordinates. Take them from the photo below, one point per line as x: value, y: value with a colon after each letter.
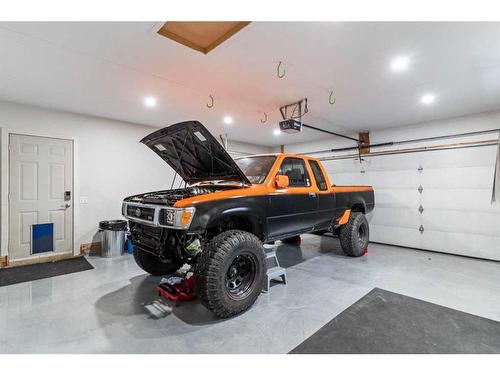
x: 194, y: 153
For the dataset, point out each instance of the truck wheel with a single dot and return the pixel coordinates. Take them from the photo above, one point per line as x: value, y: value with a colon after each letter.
x: 153, y: 265
x: 355, y: 235
x: 230, y: 273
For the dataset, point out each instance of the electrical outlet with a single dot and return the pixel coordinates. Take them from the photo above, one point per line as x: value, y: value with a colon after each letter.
x: 84, y: 200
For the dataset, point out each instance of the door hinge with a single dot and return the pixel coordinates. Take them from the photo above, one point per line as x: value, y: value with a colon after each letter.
x: 420, y: 189
x: 421, y: 209
x: 420, y: 169
x: 421, y: 229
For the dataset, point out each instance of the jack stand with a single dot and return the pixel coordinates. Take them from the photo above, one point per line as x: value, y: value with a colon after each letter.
x: 274, y: 270
x: 175, y: 289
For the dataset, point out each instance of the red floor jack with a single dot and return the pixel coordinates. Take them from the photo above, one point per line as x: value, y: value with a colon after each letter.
x: 177, y: 288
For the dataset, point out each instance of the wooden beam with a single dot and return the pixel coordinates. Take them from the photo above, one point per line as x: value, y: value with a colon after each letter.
x: 364, y: 142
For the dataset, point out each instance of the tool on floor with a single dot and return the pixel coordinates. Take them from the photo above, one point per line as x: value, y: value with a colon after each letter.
x: 182, y: 287
x: 274, y: 270
x: 177, y: 287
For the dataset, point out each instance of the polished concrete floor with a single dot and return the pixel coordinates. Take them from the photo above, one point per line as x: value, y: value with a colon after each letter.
x: 115, y: 309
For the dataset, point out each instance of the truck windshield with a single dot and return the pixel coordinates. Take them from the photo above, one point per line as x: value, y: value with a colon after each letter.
x: 256, y: 168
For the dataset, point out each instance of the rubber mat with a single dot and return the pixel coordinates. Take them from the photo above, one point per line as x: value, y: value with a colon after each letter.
x: 21, y: 274
x: 386, y: 322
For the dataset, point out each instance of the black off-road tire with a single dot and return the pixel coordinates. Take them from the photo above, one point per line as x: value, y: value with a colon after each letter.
x: 153, y: 265
x: 295, y: 240
x: 214, y: 272
x: 355, y: 235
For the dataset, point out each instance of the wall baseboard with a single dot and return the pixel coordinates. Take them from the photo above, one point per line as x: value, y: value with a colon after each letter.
x: 4, y: 261
x: 45, y: 259
x: 93, y: 248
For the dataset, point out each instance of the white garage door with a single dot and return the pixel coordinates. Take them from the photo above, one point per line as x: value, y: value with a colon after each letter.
x: 456, y: 215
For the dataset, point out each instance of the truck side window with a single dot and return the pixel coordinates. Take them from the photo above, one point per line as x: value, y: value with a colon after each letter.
x: 318, y: 175
x: 296, y: 171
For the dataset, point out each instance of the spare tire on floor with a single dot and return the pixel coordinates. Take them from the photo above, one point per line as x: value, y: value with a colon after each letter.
x: 230, y: 273
x: 355, y: 235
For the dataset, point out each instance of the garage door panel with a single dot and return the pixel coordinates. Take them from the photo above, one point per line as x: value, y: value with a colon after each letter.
x: 400, y: 179
x: 395, y: 235
x: 457, y: 178
x: 340, y: 166
x: 472, y: 222
x: 460, y: 199
x: 347, y: 178
x: 404, y: 217
x: 397, y: 198
x: 465, y: 157
x: 479, y: 246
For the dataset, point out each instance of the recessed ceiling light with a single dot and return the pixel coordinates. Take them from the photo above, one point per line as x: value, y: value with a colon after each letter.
x: 428, y: 99
x: 150, y: 101
x: 400, y: 64
x: 276, y: 132
x: 228, y: 120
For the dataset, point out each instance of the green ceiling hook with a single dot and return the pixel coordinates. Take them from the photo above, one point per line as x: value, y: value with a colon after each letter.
x: 280, y: 75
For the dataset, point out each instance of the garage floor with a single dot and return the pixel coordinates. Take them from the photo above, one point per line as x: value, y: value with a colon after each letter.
x: 114, y: 308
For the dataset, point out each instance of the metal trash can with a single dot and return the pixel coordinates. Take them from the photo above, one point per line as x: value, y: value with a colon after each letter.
x: 113, y: 237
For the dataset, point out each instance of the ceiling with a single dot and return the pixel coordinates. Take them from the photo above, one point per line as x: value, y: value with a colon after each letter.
x: 107, y: 69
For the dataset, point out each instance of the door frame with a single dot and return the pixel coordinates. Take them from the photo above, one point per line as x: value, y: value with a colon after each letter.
x: 5, y: 134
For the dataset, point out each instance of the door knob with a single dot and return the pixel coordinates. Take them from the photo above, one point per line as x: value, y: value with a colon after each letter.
x: 66, y: 206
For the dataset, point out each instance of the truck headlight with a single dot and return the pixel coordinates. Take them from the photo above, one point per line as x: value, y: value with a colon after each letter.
x: 177, y: 217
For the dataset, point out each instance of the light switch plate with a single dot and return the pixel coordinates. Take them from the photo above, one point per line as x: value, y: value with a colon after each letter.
x: 84, y: 200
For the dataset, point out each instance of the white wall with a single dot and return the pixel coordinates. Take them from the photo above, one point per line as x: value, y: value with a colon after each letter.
x: 458, y: 217
x: 239, y: 149
x: 110, y: 163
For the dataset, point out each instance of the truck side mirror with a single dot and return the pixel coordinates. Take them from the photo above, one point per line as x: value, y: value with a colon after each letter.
x: 281, y: 181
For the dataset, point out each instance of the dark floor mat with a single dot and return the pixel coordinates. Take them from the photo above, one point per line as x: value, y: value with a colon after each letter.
x: 386, y: 322
x: 39, y: 271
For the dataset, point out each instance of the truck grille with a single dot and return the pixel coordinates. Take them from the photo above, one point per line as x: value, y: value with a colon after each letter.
x: 143, y: 213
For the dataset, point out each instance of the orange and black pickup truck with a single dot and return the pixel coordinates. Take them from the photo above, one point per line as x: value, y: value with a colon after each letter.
x: 227, y: 209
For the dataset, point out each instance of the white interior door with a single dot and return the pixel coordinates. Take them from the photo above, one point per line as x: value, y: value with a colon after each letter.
x: 451, y: 212
x: 40, y: 191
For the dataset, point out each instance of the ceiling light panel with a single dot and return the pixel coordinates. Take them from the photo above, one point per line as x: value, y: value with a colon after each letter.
x: 150, y: 101
x: 400, y: 64
x: 428, y: 99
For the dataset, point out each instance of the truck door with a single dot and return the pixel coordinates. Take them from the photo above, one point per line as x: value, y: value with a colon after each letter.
x: 326, y: 200
x: 294, y: 209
